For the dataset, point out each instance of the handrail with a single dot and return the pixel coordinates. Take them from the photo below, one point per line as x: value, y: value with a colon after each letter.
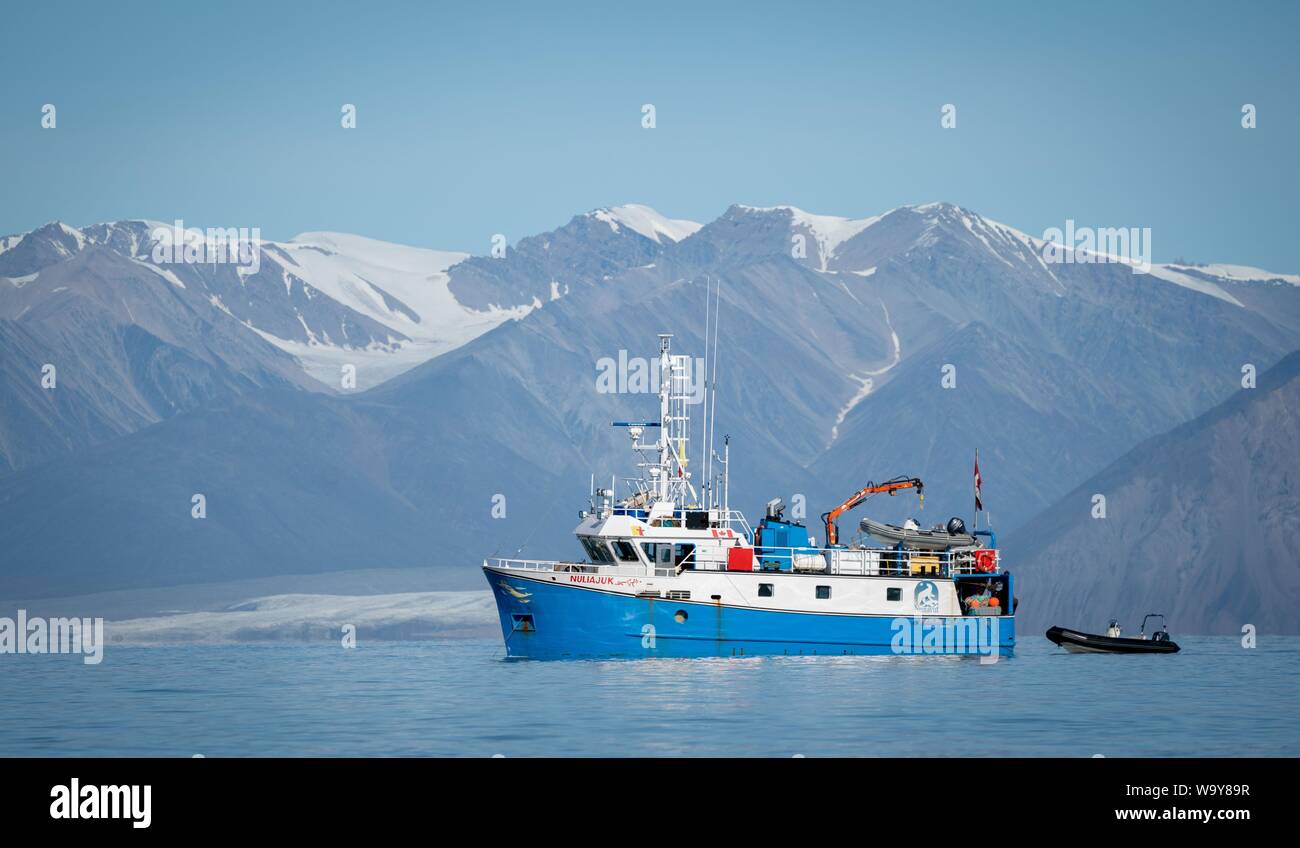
x: 731, y: 519
x: 863, y: 562
x: 872, y: 561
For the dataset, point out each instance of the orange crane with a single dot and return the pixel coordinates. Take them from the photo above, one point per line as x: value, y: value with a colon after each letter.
x: 889, y: 486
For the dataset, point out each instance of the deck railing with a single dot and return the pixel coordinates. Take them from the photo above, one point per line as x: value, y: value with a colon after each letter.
x: 730, y: 519
x: 857, y: 562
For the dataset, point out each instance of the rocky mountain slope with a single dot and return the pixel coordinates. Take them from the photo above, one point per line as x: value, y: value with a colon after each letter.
x: 1201, y: 525
x: 836, y: 336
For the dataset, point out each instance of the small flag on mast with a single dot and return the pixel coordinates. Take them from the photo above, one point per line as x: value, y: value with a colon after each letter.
x: 979, y: 502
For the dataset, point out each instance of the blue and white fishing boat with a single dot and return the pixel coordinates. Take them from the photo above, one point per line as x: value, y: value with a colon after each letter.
x: 675, y: 572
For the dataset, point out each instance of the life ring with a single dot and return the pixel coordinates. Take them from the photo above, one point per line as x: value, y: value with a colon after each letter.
x: 986, y: 561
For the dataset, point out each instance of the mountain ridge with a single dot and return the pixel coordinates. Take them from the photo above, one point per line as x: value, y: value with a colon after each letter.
x: 831, y: 373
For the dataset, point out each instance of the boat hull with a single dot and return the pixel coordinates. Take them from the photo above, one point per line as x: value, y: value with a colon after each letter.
x: 1091, y: 643
x: 547, y: 620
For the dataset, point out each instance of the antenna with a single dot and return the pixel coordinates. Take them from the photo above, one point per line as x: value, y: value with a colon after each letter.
x: 713, y: 414
x: 706, y: 464
x: 726, y: 474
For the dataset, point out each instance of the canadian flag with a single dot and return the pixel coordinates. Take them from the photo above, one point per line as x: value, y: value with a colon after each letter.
x: 979, y: 502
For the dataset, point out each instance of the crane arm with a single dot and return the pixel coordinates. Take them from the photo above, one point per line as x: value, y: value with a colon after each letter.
x: 854, y: 500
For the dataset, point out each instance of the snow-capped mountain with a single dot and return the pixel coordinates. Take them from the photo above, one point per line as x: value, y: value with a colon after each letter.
x: 97, y: 343
x: 309, y: 307
x: 330, y: 299
x: 135, y: 334
x: 834, y: 351
x: 826, y: 232
x: 402, y: 293
x: 327, y: 299
x: 588, y: 252
x: 645, y: 221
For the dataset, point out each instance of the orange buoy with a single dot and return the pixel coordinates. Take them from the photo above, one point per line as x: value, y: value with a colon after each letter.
x: 994, y: 602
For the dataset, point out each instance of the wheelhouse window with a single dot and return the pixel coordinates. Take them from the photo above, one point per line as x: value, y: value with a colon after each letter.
x: 823, y: 593
x: 624, y: 551
x: 765, y: 590
x: 660, y: 553
x: 670, y: 555
x: 596, y: 550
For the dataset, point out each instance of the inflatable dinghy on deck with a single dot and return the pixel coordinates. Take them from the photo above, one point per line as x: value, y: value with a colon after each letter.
x: 937, y: 539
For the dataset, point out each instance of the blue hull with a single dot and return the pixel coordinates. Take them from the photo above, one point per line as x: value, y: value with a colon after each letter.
x: 544, y: 620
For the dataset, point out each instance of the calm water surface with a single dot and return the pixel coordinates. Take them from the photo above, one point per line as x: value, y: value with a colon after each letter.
x: 460, y: 698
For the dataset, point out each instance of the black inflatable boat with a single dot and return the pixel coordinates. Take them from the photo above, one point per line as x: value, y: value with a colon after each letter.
x: 1091, y: 643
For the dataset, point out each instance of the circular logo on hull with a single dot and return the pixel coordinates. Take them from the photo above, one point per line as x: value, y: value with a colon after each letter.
x: 926, y: 596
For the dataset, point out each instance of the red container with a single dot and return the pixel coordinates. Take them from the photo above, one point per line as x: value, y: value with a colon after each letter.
x: 740, y: 559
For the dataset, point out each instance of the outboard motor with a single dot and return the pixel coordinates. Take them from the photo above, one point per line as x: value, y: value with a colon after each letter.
x: 956, y: 526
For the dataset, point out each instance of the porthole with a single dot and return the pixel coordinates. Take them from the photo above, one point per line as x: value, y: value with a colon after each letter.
x: 680, y: 616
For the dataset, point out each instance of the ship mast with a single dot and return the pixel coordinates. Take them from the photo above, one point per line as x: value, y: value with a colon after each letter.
x: 665, y: 444
x: 672, y: 481
x: 669, y: 481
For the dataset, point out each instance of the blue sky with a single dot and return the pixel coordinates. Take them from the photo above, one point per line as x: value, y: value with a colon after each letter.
x: 475, y: 119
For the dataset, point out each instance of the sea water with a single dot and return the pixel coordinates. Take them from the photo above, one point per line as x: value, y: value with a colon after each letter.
x: 461, y: 698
